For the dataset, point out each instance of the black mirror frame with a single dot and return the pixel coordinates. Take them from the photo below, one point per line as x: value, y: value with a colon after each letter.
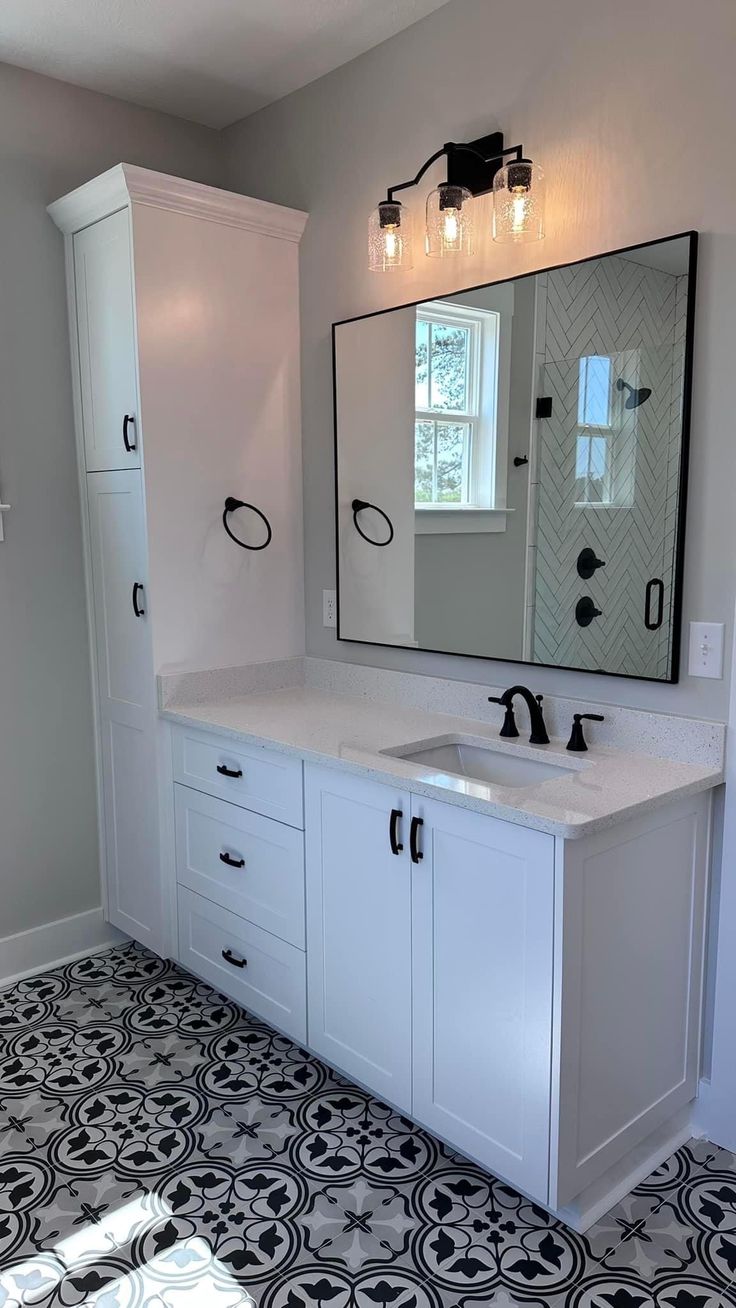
x: 679, y: 552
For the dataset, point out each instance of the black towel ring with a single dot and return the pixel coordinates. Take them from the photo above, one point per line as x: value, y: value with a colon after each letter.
x: 358, y: 506
x: 230, y: 506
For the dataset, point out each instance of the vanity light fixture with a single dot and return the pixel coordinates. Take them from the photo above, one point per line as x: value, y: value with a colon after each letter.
x: 473, y: 168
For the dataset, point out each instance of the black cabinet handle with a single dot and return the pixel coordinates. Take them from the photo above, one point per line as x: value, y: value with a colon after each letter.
x: 230, y: 958
x: 139, y: 612
x: 393, y: 826
x: 415, y: 851
x: 231, y: 862
x: 225, y: 771
x: 649, y: 623
x: 127, y: 420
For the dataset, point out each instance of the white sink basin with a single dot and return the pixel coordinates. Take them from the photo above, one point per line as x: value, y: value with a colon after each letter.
x: 479, y: 762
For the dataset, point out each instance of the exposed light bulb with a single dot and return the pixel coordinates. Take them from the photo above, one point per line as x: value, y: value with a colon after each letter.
x: 519, y: 206
x: 518, y: 202
x: 451, y: 226
x: 389, y: 238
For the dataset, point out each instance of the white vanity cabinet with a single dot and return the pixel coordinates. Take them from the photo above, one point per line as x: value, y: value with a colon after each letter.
x: 431, y: 981
x: 481, y: 944
x: 359, y: 929
x: 534, y: 1001
x: 184, y: 326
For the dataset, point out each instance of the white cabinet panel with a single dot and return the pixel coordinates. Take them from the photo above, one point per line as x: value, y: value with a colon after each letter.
x: 259, y: 971
x: 359, y: 931
x: 103, y: 275
x: 247, y: 863
x: 132, y: 856
x: 117, y: 544
x: 259, y: 779
x: 631, y: 913
x: 482, y: 988
x: 126, y: 707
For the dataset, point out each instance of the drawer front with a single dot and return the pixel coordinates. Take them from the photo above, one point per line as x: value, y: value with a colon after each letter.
x: 268, y: 889
x: 261, y: 779
x: 272, y: 981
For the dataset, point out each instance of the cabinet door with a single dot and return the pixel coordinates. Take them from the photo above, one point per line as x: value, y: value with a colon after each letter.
x: 126, y: 706
x: 482, y: 989
x: 359, y: 931
x: 122, y: 634
x: 103, y: 274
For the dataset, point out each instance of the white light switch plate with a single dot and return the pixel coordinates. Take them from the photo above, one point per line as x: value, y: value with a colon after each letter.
x: 329, y: 608
x: 705, y: 657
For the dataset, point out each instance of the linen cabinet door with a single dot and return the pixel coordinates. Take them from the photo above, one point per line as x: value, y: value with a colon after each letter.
x: 482, y: 988
x: 126, y: 706
x: 359, y: 930
x: 103, y: 279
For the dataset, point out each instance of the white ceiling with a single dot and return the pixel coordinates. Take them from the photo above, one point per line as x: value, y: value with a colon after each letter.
x: 212, y: 61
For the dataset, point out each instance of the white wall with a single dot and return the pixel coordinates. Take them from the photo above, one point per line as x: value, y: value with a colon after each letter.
x: 52, y: 138
x: 218, y: 336
x: 630, y: 108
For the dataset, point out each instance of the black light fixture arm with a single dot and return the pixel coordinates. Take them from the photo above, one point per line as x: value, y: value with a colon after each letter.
x: 475, y: 171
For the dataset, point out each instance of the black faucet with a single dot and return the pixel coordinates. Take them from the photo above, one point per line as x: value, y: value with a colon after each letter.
x: 536, y: 717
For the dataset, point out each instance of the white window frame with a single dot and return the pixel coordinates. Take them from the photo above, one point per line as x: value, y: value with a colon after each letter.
x: 488, y: 386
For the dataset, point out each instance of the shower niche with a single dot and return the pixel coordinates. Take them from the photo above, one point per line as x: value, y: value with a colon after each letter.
x: 519, y: 453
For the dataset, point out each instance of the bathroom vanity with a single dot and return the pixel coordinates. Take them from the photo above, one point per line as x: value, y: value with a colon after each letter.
x: 516, y: 967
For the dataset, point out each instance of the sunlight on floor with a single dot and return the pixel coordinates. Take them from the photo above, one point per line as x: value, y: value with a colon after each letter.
x: 184, y: 1275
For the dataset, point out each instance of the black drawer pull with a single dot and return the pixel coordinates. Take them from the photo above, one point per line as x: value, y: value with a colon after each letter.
x: 393, y: 827
x: 230, y: 958
x: 129, y: 445
x: 225, y: 771
x: 139, y: 612
x: 231, y: 862
x: 415, y: 851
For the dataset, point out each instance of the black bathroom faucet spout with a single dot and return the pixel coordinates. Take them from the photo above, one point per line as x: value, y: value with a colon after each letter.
x: 536, y: 717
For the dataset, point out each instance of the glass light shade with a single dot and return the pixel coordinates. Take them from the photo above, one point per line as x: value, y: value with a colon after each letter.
x: 449, y: 221
x: 390, y: 238
x: 518, y: 202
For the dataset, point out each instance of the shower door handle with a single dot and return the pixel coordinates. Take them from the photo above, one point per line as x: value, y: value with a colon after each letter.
x: 654, y: 583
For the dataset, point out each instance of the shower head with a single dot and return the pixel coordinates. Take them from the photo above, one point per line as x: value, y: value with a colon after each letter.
x: 635, y: 397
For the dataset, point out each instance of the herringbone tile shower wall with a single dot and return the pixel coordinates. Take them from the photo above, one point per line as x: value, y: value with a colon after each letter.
x: 636, y: 315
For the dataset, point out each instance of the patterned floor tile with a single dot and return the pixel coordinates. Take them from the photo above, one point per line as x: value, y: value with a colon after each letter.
x: 159, y: 1148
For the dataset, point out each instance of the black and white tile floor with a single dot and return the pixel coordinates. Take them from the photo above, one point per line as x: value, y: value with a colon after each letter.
x: 160, y: 1148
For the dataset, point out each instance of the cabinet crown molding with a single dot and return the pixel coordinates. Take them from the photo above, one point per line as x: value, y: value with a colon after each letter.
x: 126, y: 184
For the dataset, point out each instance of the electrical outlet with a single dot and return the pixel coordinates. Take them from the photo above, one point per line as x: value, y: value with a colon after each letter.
x: 329, y: 608
x: 705, y: 655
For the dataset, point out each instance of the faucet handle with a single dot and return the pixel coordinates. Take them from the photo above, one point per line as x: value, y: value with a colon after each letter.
x: 577, y: 742
x: 509, y: 728
x: 539, y: 734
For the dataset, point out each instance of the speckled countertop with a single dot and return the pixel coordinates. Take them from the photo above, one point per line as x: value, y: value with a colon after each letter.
x: 604, y: 786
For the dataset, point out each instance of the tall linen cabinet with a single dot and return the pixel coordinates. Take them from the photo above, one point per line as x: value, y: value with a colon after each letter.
x: 183, y: 312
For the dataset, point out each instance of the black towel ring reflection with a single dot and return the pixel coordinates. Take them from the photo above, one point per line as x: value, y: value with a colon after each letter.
x: 230, y: 506
x: 358, y: 506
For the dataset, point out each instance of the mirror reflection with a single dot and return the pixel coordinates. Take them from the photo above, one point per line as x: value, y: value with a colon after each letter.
x: 509, y: 466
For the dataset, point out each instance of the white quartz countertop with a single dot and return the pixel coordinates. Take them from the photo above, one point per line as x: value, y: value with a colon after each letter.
x: 605, y: 786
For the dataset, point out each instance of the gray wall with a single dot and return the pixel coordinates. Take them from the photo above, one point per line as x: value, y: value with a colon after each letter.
x: 595, y: 91
x: 52, y: 138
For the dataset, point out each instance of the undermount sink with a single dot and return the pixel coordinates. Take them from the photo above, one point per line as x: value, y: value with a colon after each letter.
x: 479, y: 762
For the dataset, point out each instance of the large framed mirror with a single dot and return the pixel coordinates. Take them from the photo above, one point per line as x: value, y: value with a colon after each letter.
x: 511, y: 466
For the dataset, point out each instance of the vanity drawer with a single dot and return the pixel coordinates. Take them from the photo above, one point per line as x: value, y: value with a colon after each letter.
x: 264, y: 780
x: 269, y: 889
x: 272, y: 981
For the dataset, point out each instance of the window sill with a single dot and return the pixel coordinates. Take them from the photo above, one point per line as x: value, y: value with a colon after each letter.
x: 441, y: 522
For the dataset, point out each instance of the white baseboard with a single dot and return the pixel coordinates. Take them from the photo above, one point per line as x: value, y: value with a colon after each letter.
x: 55, y: 943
